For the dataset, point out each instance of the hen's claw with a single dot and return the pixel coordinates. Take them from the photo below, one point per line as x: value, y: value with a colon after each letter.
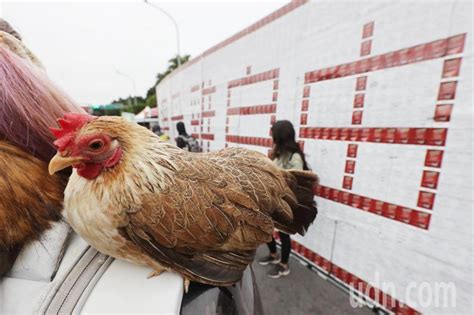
x: 186, y: 285
x: 155, y: 273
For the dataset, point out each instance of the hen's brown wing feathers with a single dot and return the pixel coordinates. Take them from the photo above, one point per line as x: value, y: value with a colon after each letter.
x: 194, y: 267
x: 216, y: 211
x: 188, y: 235
x: 30, y: 200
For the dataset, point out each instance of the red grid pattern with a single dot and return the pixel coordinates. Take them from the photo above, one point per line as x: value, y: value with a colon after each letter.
x: 350, y: 279
x: 254, y: 109
x: 417, y: 136
x: 195, y: 106
x: 388, y: 210
x: 357, y: 114
x: 252, y: 79
x: 411, y: 136
x: 179, y: 117
x: 433, y: 157
x: 446, y: 94
x: 263, y: 142
x: 432, y: 50
x: 202, y: 127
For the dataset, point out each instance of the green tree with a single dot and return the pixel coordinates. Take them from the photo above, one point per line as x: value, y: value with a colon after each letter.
x: 173, y: 62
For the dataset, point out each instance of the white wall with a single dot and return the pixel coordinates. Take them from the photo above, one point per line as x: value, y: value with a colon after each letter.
x: 325, y: 34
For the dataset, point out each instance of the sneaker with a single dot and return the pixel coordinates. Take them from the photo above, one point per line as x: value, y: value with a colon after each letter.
x: 269, y: 260
x: 278, y: 271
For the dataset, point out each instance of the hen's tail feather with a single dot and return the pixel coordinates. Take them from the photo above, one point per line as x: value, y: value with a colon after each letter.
x: 232, y: 260
x: 302, y: 184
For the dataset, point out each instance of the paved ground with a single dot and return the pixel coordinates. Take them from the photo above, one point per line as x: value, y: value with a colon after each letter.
x: 301, y: 292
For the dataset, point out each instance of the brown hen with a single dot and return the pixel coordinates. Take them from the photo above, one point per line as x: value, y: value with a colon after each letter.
x: 202, y: 215
x: 31, y: 200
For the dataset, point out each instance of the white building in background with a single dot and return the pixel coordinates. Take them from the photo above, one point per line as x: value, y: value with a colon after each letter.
x: 381, y: 94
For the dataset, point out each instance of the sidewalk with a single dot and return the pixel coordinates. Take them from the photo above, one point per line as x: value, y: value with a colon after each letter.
x: 301, y: 292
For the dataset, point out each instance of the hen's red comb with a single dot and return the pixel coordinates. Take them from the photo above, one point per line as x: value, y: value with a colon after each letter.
x: 68, y: 126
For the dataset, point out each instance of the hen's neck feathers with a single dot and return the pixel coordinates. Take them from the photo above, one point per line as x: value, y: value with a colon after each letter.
x: 146, y: 163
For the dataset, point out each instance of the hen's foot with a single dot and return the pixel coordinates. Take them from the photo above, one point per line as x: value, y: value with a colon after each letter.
x: 155, y: 273
x: 186, y: 285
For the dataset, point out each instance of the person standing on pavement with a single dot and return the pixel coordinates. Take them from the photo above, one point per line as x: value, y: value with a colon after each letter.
x: 286, y: 154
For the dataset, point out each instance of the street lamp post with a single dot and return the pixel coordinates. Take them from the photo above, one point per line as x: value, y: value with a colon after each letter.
x: 175, y: 26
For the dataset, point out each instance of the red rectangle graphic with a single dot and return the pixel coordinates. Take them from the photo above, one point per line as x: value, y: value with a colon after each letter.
x: 304, y: 105
x: 426, y: 200
x: 350, y: 166
x: 352, y: 150
x: 365, y: 48
x: 304, y: 119
x: 306, y: 91
x: 443, y: 112
x: 451, y: 67
x: 361, y: 83
x: 347, y: 182
x: 430, y: 179
x: 357, y: 117
x: 447, y: 90
x: 368, y: 30
x: 275, y: 85
x: 434, y: 158
x: 359, y: 100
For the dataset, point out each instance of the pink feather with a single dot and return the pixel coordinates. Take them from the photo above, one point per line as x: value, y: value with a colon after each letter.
x: 29, y: 104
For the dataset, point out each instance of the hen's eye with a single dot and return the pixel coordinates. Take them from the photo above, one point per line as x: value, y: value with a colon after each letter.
x: 96, y: 145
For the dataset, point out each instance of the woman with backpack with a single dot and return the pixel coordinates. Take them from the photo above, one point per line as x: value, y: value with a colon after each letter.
x: 286, y: 154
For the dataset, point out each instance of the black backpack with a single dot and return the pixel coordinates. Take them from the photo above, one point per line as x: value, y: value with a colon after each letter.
x: 191, y: 143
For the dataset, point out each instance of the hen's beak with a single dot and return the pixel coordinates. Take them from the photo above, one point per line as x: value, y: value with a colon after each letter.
x: 59, y: 162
